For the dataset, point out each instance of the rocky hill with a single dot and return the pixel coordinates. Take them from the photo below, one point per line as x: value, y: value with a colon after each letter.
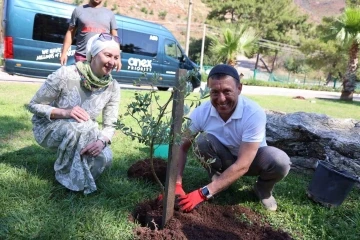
x: 173, y: 14
x: 174, y: 11
x: 320, y: 8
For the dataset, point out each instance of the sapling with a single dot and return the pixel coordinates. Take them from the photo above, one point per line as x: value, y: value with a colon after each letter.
x: 154, y: 124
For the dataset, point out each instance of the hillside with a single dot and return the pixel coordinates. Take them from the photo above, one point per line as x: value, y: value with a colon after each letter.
x: 173, y: 14
x: 152, y: 10
x: 320, y: 8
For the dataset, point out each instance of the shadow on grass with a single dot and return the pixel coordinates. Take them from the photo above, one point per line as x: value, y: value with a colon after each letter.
x: 289, y: 191
x: 39, y: 161
x: 35, y: 205
x: 35, y: 159
x: 238, y: 193
x: 351, y: 103
x: 10, y: 126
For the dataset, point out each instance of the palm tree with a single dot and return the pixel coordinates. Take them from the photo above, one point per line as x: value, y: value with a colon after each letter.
x: 346, y: 30
x: 232, y: 43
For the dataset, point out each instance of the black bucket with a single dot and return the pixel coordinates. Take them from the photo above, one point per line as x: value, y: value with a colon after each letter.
x: 329, y: 186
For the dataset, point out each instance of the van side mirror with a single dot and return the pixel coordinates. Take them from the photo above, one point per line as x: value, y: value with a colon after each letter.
x: 182, y: 60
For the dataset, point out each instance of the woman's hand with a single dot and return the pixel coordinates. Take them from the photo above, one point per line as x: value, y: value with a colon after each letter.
x: 93, y: 149
x: 78, y: 114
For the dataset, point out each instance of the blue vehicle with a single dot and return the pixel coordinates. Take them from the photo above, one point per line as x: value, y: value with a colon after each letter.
x: 34, y: 32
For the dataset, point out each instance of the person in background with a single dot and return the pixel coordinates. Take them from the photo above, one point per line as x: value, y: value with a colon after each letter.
x: 229, y: 133
x: 86, y: 21
x: 65, y: 109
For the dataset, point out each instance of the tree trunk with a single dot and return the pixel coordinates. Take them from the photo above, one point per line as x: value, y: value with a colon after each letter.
x: 349, y: 79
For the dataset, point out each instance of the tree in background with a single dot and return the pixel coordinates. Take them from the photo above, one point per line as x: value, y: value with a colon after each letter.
x: 295, y: 64
x: 195, y: 51
x: 233, y: 42
x: 275, y: 20
x: 323, y: 54
x: 78, y: 2
x: 352, y: 3
x: 328, y: 57
x: 346, y: 31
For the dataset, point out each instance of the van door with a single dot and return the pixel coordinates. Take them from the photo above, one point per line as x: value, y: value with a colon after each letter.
x: 172, y: 54
x: 34, y: 33
x: 140, y: 57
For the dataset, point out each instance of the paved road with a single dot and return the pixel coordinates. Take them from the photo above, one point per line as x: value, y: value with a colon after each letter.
x: 5, y: 77
x: 247, y: 90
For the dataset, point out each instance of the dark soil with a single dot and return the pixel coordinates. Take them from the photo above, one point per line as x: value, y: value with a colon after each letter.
x: 142, y: 169
x: 207, y: 221
x: 299, y: 97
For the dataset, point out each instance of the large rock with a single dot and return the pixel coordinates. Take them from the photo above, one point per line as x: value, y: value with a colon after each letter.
x: 309, y: 137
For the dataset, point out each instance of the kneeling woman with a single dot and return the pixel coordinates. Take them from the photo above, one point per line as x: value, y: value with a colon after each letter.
x: 65, y: 109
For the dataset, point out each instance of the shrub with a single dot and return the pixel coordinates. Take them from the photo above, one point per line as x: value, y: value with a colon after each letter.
x: 162, y: 15
x: 78, y: 2
x: 144, y: 10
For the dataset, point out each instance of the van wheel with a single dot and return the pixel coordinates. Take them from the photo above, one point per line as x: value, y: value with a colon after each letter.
x: 163, y: 88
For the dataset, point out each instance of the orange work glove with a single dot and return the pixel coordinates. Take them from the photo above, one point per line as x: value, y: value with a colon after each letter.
x: 179, y: 191
x: 188, y: 202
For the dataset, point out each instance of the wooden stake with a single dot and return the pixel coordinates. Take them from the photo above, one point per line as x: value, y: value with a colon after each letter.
x: 173, y: 157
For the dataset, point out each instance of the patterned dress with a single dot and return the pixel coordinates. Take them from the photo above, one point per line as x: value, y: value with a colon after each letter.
x: 62, y: 89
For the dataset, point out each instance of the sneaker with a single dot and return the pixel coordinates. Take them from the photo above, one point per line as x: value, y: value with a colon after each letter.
x: 269, y: 203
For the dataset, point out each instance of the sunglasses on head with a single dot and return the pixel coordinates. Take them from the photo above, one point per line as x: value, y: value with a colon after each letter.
x: 109, y: 37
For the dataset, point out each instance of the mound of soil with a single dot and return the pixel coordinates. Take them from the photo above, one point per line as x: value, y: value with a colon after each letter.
x: 142, y: 169
x: 207, y: 221
x: 299, y: 97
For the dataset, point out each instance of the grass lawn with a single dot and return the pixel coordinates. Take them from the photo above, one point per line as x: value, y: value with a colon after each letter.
x: 34, y: 206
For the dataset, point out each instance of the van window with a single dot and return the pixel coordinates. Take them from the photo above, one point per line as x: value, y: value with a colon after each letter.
x: 139, y: 43
x: 50, y: 28
x: 172, y: 49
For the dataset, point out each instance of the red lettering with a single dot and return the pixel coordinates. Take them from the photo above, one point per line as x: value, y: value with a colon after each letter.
x: 93, y: 29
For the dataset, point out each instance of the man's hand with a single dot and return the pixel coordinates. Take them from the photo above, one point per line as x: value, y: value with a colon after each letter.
x: 63, y: 59
x: 188, y: 202
x: 69, y: 36
x: 179, y: 191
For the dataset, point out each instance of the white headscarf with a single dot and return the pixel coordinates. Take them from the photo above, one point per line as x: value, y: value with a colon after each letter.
x: 95, y: 45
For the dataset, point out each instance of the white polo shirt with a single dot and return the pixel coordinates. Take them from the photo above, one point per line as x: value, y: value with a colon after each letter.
x: 246, y: 124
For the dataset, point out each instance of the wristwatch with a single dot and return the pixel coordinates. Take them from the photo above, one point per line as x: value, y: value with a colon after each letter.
x: 205, y: 192
x: 102, y: 139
